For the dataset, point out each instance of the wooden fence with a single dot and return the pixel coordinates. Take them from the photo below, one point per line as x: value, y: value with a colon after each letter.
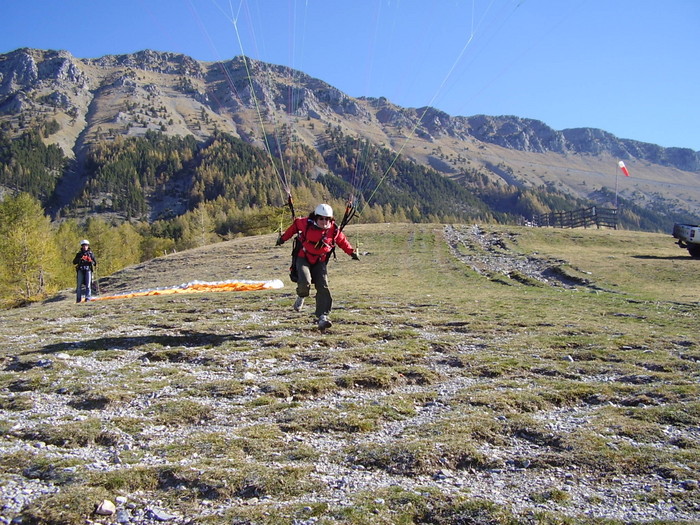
x: 583, y: 217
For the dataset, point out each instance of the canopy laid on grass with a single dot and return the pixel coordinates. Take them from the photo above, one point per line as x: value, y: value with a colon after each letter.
x: 199, y: 287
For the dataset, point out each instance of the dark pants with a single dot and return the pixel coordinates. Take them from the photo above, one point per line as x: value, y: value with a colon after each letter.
x: 84, y: 278
x: 316, y: 273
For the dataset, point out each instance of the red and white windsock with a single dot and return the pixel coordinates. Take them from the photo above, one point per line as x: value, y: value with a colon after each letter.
x: 624, y: 168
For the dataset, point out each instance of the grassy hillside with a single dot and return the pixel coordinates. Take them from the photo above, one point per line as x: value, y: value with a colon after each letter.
x: 486, y: 374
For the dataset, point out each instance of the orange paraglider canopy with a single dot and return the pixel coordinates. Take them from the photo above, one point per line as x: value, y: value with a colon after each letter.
x: 199, y: 287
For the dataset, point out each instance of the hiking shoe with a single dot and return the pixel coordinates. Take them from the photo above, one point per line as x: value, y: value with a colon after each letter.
x: 324, y: 322
x: 299, y: 304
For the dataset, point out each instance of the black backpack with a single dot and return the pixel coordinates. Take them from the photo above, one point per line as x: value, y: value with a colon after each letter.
x: 293, y: 274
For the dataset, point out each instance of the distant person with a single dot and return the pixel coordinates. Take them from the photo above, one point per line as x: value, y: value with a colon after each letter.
x: 85, y: 264
x: 317, y: 236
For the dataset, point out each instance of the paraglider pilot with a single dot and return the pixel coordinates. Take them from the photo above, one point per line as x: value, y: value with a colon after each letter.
x: 85, y: 263
x: 317, y: 235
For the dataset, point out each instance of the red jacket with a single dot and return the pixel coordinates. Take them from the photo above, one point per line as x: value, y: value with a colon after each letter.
x: 316, y: 243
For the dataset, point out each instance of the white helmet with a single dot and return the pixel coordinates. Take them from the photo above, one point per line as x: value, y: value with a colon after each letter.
x: 84, y: 241
x: 324, y: 210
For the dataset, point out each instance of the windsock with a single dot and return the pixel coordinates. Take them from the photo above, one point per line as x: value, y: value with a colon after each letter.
x: 624, y: 168
x: 199, y: 287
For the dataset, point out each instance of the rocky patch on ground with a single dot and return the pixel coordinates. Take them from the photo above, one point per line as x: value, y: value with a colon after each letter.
x: 488, y: 254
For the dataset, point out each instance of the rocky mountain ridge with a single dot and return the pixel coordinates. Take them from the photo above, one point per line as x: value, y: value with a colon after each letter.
x: 97, y: 99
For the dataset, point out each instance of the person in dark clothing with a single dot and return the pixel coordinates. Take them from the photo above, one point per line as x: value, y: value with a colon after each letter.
x: 318, y: 234
x: 85, y: 263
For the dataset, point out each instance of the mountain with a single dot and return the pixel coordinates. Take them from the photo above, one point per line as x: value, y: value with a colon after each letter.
x: 81, y: 103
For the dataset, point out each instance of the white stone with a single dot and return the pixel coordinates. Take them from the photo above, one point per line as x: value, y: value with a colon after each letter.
x: 105, y: 508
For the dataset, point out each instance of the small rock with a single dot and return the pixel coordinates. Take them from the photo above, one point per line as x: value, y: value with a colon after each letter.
x: 161, y: 515
x: 105, y: 508
x: 689, y: 484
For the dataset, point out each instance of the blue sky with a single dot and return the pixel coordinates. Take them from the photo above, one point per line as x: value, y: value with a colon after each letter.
x: 630, y: 67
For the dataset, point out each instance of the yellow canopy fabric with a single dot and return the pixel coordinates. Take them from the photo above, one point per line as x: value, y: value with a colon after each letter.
x: 199, y: 287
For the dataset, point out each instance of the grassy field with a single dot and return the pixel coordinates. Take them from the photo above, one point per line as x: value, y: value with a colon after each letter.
x: 441, y: 394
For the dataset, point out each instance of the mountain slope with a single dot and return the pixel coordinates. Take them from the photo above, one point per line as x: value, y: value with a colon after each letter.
x: 95, y: 100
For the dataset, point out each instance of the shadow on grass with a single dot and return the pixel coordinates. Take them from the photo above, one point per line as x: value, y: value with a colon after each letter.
x: 60, y: 296
x: 661, y: 258
x: 188, y: 339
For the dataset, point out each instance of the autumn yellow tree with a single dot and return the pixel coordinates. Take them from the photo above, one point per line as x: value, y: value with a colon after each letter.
x: 114, y: 246
x: 29, y: 261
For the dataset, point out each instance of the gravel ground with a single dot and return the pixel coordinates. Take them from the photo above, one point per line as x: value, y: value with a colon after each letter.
x: 510, y: 483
